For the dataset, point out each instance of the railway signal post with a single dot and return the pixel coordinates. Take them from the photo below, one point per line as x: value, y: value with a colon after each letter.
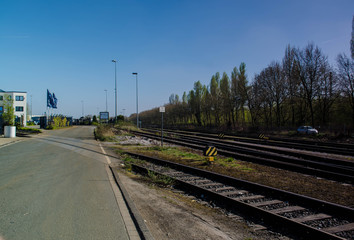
x: 210, y: 152
x: 262, y: 136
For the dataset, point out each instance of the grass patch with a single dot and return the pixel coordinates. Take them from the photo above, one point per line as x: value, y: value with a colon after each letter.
x: 223, y: 165
x: 175, y: 152
x: 160, y: 179
x: 26, y: 130
x: 233, y: 164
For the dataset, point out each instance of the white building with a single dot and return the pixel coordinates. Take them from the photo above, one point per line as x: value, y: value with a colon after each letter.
x: 20, y: 104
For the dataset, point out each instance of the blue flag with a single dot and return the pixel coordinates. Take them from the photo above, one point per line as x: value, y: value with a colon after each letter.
x: 55, y: 101
x: 49, y: 99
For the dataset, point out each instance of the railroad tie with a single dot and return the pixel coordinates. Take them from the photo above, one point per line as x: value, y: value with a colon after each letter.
x: 189, y: 178
x: 203, y: 181
x: 235, y: 192
x: 254, y: 197
x: 266, y: 203
x: 211, y: 185
x: 287, y: 209
x: 225, y: 189
x: 341, y: 228
x: 176, y: 173
x: 312, y: 218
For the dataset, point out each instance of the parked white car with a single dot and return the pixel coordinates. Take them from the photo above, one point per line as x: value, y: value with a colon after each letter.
x: 307, y: 130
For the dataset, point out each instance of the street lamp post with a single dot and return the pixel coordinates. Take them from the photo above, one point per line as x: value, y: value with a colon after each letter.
x: 31, y: 109
x: 137, y: 100
x: 82, y: 102
x: 106, y: 100
x: 115, y: 79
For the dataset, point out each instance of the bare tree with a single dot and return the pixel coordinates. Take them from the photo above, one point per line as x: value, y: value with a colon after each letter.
x: 292, y: 80
x: 309, y: 63
x: 327, y: 94
x: 352, y: 40
x: 258, y: 100
x: 346, y: 78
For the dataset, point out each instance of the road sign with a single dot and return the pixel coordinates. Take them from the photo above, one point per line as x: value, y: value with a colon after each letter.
x: 162, y: 109
x: 210, y: 151
x: 104, y: 115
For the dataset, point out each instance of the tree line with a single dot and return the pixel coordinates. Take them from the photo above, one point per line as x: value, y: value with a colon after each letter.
x: 301, y: 89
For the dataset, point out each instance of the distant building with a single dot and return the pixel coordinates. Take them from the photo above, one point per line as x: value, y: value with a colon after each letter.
x: 20, y: 104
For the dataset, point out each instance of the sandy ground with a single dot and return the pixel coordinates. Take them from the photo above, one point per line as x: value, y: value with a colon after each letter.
x: 171, y: 214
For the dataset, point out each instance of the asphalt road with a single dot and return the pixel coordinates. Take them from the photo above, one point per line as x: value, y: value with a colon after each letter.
x: 55, y: 186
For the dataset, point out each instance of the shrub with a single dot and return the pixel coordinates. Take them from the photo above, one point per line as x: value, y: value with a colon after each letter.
x: 104, y: 133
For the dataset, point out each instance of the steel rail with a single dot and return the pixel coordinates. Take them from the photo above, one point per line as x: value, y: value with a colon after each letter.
x: 336, y: 163
x: 279, y: 161
x: 344, y: 164
x: 333, y: 148
x: 274, y: 216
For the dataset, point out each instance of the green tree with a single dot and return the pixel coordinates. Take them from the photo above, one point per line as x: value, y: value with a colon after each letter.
x: 235, y: 96
x: 215, y: 93
x: 225, y: 96
x: 94, y: 119
x: 206, y: 105
x: 243, y: 89
x: 8, y: 115
x: 198, y: 92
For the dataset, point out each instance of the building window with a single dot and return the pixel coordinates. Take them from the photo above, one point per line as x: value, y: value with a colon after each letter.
x: 19, y: 98
x: 1, y: 98
x: 1, y: 109
x: 19, y: 109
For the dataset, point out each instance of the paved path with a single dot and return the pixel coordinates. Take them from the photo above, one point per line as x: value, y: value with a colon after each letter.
x: 57, y: 186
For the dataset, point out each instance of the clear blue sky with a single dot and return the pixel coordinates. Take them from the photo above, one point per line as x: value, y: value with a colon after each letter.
x: 67, y: 46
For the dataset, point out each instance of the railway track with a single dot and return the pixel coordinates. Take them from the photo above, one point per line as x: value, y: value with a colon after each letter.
x: 302, y: 216
x: 314, y: 146
x: 308, y: 164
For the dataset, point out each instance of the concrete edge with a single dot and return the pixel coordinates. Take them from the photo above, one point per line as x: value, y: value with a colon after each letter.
x: 140, y: 225
x: 10, y: 143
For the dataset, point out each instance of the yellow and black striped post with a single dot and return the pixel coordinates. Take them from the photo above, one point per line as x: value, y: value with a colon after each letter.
x: 221, y: 135
x: 262, y: 136
x: 210, y: 152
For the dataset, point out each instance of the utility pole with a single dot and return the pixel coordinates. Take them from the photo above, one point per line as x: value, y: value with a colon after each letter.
x: 115, y: 79
x: 137, y: 101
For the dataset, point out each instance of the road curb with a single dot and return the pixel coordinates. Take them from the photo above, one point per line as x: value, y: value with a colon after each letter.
x: 9, y: 142
x: 140, y: 225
